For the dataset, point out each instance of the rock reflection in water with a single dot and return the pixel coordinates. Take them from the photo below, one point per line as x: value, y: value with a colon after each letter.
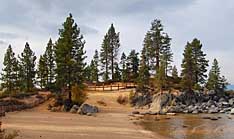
x: 191, y: 126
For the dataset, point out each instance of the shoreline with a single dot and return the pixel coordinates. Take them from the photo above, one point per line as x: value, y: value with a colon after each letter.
x: 112, y: 122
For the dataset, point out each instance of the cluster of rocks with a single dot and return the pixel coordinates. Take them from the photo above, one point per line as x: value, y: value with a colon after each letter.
x: 191, y: 102
x: 84, y: 109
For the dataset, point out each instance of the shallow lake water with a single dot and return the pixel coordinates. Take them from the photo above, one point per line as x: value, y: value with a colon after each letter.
x: 191, y: 126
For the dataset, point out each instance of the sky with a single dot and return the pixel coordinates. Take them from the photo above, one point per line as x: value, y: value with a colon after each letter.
x: 35, y: 21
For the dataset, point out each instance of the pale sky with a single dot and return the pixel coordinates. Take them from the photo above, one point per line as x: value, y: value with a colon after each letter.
x: 35, y: 21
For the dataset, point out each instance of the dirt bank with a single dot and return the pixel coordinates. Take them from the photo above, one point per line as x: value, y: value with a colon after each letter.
x: 112, y: 122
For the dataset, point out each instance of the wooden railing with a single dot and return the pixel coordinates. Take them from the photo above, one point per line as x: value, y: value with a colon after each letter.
x: 111, y: 87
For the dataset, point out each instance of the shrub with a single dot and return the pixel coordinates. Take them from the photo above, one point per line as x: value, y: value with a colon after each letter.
x: 78, y: 95
x: 4, y: 135
x: 122, y: 99
x: 101, y: 102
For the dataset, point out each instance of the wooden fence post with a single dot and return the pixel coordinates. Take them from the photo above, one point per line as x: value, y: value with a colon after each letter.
x: 103, y: 86
x: 118, y: 86
x: 111, y: 87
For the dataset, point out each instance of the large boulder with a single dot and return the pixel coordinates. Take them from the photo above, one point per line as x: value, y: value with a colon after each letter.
x: 232, y: 111
x: 86, y: 108
x: 160, y: 101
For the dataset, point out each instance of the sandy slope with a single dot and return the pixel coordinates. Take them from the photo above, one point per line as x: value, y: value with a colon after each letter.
x: 111, y: 123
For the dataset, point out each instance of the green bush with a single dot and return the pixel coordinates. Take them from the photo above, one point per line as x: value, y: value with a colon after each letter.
x: 78, y: 95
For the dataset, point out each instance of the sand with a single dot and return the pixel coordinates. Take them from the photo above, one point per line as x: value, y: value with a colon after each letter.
x: 113, y: 121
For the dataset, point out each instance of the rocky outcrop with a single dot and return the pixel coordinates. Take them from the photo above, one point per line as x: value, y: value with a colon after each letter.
x: 160, y: 101
x: 87, y: 109
x: 193, y: 102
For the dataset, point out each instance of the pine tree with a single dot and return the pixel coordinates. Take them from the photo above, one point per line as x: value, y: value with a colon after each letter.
x: 114, y: 43
x: 124, y: 72
x: 216, y: 81
x: 42, y: 72
x: 49, y: 57
x: 157, y: 43
x: 144, y: 75
x: 70, y: 56
x: 104, y: 59
x: 174, y: 73
x: 133, y: 65
x: 201, y: 63
x: 10, y: 71
x: 109, y: 52
x: 27, y: 65
x: 188, y: 68
x: 117, y: 75
x: 166, y: 54
x: 94, y: 67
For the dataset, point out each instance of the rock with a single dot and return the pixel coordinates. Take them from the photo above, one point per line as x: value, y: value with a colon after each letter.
x: 213, y: 110
x: 211, y: 92
x: 231, y: 101
x: 185, y: 111
x: 232, y: 111
x: 160, y: 101
x: 222, y: 99
x: 171, y: 114
x: 86, y: 108
x: 89, y: 114
x: 214, y: 118
x: 76, y: 107
x: 135, y: 112
x: 73, y: 110
x: 195, y: 112
x: 206, y: 117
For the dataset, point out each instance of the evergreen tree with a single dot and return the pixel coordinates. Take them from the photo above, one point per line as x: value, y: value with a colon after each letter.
x: 144, y: 75
x: 133, y: 65
x: 188, y: 68
x: 196, y: 67
x: 70, y: 55
x: 10, y: 71
x: 49, y: 57
x: 166, y: 54
x: 27, y: 67
x: 124, y: 72
x: 94, y: 67
x: 157, y: 42
x: 201, y: 63
x: 216, y: 81
x: 42, y: 72
x: 117, y: 75
x: 109, y: 52
x: 174, y: 73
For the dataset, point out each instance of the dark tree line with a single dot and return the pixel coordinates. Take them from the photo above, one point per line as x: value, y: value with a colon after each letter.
x: 63, y: 63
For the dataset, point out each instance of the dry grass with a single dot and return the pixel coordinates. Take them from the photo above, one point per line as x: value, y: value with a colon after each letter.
x: 122, y: 99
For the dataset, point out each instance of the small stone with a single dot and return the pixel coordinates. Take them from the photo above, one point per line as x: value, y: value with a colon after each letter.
x: 89, y: 114
x: 214, y: 118
x: 171, y: 114
x: 135, y: 112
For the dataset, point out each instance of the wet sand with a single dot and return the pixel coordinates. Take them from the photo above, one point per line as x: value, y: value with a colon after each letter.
x: 191, y: 126
x: 111, y: 123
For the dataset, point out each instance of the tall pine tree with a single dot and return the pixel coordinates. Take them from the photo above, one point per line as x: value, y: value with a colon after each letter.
x: 10, y: 71
x: 49, y: 57
x: 109, y: 52
x: 27, y: 67
x: 133, y: 65
x: 94, y: 67
x: 144, y: 74
x: 42, y: 72
x: 70, y: 56
x: 216, y: 81
x: 123, y: 64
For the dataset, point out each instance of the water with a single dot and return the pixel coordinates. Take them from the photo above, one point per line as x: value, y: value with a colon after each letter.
x: 191, y: 126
